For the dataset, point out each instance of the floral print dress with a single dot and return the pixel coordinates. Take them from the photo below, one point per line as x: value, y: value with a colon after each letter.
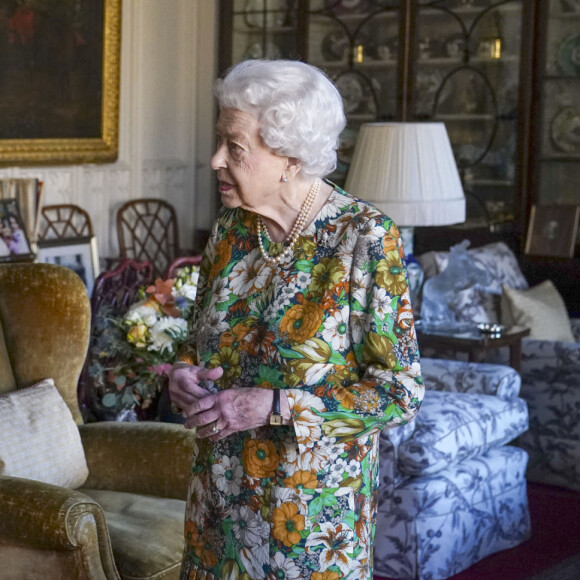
x: 332, y: 325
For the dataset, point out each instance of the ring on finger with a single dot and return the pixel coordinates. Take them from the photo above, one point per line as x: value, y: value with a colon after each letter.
x: 215, y: 428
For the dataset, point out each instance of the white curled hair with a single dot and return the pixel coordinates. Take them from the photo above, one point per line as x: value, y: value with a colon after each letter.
x: 299, y: 109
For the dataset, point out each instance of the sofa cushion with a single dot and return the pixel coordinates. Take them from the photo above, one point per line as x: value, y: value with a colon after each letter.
x: 540, y: 308
x: 39, y: 438
x: 136, y: 523
x: 452, y: 427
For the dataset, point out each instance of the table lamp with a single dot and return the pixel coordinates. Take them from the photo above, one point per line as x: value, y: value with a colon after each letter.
x: 408, y: 171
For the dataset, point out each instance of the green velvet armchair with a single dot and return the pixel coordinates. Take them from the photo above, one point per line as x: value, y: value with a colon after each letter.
x: 126, y: 521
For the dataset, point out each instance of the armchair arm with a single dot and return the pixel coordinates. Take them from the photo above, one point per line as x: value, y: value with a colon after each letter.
x: 575, y: 326
x: 478, y: 378
x: 145, y: 457
x: 44, y: 515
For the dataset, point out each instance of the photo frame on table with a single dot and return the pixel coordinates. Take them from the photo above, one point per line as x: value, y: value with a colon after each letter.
x: 59, y: 89
x: 552, y: 231
x: 14, y: 242
x: 79, y: 254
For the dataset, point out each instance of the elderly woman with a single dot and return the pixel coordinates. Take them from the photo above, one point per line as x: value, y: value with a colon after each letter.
x: 304, y: 346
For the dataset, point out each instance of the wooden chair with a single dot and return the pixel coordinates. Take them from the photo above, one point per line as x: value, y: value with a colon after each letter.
x: 147, y: 231
x: 64, y: 220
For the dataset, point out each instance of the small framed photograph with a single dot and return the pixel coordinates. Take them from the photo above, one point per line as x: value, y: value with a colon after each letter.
x: 79, y: 254
x: 552, y: 230
x: 14, y: 243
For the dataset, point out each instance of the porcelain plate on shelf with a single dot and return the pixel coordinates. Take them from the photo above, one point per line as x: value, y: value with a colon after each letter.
x: 565, y: 130
x: 277, y: 11
x: 351, y: 90
x: 568, y: 58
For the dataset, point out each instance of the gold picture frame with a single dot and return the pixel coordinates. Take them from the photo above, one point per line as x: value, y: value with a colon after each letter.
x: 552, y: 231
x: 73, y: 63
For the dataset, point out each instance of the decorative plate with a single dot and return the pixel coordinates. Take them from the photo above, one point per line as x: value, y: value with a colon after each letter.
x: 352, y: 92
x: 565, y: 130
x: 256, y: 50
x: 277, y: 11
x: 568, y: 57
x: 347, y: 6
x: 335, y: 45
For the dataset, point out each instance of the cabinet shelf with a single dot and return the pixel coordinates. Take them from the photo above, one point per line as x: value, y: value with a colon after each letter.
x: 445, y: 60
x: 343, y: 64
x: 466, y: 117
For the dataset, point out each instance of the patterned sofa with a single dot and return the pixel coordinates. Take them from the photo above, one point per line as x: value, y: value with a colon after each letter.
x: 452, y: 491
x: 550, y: 369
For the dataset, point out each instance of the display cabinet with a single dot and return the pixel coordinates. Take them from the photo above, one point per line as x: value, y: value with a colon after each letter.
x: 503, y: 75
x: 556, y: 159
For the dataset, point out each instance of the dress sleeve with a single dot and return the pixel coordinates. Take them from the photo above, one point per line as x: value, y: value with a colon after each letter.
x: 376, y: 382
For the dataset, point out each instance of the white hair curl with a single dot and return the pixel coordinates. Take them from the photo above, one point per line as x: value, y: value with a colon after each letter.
x: 299, y: 109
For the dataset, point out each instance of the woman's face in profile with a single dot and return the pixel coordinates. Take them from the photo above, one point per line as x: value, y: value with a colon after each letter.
x: 248, y: 173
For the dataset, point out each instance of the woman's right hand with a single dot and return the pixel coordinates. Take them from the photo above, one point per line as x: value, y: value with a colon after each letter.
x: 185, y: 383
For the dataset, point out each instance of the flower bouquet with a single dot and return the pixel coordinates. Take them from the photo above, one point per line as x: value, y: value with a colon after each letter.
x: 131, y: 356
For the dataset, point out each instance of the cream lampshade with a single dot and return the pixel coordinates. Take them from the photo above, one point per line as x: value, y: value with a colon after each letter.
x: 408, y: 171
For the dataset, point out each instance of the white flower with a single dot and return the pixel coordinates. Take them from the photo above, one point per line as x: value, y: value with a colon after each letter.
x: 249, y: 527
x: 339, y: 466
x: 338, y: 543
x: 359, y: 325
x: 165, y: 331
x: 141, y: 314
x: 353, y: 469
x: 188, y: 291
x: 197, y: 505
x: 360, y: 283
x: 306, y: 422
x: 334, y: 479
x: 228, y: 475
x: 381, y: 302
x: 248, y: 275
x: 336, y: 330
x: 283, y: 567
x: 253, y: 560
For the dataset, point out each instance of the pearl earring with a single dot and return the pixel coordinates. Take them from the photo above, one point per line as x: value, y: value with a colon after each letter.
x: 284, y: 179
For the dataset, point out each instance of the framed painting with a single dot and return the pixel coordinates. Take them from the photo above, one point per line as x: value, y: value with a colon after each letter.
x: 59, y: 81
x: 79, y: 254
x: 552, y: 230
x: 14, y: 242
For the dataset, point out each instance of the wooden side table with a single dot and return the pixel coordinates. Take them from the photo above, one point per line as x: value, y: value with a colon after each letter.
x: 476, y: 343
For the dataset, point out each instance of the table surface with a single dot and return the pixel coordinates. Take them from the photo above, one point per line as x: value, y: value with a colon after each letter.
x: 473, y: 336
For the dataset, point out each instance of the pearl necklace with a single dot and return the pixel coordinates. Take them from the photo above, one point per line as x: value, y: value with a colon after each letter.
x: 296, y: 230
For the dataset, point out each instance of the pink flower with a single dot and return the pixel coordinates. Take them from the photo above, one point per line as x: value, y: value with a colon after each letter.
x: 162, y: 369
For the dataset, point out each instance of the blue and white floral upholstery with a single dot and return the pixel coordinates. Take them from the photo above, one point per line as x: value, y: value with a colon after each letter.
x: 550, y: 372
x: 452, y: 491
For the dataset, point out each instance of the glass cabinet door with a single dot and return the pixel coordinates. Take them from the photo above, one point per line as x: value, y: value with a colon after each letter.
x: 467, y: 61
x: 558, y: 162
x: 264, y: 29
x: 356, y: 42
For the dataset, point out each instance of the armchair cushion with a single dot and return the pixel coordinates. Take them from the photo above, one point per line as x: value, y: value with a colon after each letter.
x: 39, y: 438
x: 133, y: 522
x: 453, y: 427
x: 540, y: 308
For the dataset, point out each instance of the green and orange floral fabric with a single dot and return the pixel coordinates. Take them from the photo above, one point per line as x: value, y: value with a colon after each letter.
x: 332, y: 325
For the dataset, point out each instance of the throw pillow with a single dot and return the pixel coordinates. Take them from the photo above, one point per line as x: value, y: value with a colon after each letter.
x: 39, y: 438
x: 541, y: 309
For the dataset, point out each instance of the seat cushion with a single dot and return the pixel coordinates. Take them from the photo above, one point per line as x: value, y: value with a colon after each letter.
x: 146, y: 533
x: 452, y: 427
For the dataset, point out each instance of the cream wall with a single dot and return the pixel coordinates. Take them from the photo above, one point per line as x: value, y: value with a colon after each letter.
x: 166, y: 123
